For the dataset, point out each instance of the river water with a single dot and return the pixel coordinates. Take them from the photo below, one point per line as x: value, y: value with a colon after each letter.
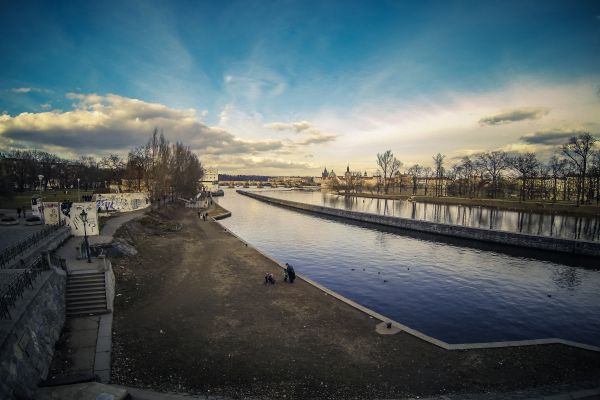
x: 568, y: 227
x: 455, y: 293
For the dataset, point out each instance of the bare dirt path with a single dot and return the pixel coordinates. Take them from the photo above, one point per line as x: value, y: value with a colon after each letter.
x: 192, y: 314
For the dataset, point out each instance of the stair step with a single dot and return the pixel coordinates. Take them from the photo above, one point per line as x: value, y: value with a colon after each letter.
x: 99, y: 282
x: 84, y: 276
x: 95, y: 311
x: 86, y: 292
x: 86, y: 306
x: 92, y: 296
x: 91, y: 286
x: 94, y: 279
x: 84, y: 300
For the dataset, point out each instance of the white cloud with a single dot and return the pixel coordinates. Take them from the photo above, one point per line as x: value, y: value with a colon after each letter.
x: 100, y: 124
x: 449, y: 122
x: 24, y: 90
x: 297, y: 127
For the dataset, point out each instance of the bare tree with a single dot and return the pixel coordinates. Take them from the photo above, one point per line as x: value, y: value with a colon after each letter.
x: 595, y: 172
x: 415, y: 172
x: 526, y: 165
x: 492, y: 164
x: 438, y: 161
x: 115, y: 167
x: 427, y: 173
x: 577, y: 149
x: 389, y: 165
x: 557, y: 167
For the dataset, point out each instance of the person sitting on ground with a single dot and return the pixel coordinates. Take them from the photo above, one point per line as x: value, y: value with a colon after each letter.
x: 290, y: 272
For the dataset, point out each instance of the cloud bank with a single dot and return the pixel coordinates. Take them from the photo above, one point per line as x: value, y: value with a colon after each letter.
x: 515, y: 115
x: 551, y: 137
x: 99, y: 124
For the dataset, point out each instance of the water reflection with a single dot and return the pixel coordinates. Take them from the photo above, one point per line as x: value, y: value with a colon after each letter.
x: 455, y: 293
x: 568, y: 227
x: 566, y: 277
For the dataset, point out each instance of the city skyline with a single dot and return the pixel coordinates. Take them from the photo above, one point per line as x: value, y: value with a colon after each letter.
x: 288, y: 88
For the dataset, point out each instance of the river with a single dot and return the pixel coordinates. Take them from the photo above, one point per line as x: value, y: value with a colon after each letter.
x: 453, y: 292
x: 562, y: 226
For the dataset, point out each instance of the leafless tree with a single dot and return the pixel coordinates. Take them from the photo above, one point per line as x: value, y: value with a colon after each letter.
x: 577, y: 149
x: 527, y: 166
x: 389, y: 165
x: 415, y: 172
x: 557, y: 167
x: 493, y: 163
x: 438, y: 161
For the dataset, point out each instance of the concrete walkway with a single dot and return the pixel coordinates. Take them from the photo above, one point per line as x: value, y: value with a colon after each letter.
x: 87, y: 340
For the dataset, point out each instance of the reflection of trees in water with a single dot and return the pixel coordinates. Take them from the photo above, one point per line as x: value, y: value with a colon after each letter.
x: 562, y: 226
x: 567, y: 277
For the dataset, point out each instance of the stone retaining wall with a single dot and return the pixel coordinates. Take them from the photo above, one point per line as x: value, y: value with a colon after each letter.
x: 578, y: 247
x: 27, y: 347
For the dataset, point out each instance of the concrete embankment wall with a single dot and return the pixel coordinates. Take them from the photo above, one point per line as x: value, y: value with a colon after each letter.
x: 27, y: 345
x: 577, y: 247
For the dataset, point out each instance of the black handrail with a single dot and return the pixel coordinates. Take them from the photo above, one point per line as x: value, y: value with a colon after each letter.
x: 16, y: 283
x: 11, y: 252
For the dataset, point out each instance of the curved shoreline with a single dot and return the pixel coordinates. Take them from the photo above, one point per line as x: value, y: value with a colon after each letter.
x: 565, y: 246
x: 414, y: 332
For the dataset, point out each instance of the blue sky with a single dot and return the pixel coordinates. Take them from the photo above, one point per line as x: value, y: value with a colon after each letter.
x: 284, y: 87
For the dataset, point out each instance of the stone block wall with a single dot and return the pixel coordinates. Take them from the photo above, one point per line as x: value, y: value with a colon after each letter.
x: 578, y: 247
x: 27, y: 347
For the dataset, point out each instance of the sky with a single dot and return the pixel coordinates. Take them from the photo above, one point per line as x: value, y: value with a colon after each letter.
x: 291, y: 87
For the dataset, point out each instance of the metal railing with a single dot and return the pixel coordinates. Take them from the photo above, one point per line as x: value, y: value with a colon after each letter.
x: 14, y: 284
x: 13, y: 251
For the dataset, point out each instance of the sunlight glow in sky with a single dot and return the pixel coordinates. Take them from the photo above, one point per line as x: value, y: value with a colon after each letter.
x: 289, y: 87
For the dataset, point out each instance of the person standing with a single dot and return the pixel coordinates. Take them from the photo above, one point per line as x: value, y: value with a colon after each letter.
x: 19, y: 212
x: 290, y: 272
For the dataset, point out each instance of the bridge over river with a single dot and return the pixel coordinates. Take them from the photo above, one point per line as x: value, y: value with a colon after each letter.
x: 456, y: 291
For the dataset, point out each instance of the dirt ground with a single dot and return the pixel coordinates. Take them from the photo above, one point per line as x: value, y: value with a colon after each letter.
x: 192, y: 314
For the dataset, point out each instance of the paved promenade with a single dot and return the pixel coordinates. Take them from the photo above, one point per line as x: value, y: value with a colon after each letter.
x: 193, y: 315
x: 84, y: 348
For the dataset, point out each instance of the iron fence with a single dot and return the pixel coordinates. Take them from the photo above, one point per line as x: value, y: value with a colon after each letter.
x: 14, y: 284
x: 13, y: 251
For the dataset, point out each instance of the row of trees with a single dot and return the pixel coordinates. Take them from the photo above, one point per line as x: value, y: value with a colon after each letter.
x: 159, y: 166
x: 491, y: 173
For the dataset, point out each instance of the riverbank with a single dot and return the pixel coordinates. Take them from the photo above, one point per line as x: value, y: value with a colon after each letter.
x: 540, y: 207
x: 192, y: 314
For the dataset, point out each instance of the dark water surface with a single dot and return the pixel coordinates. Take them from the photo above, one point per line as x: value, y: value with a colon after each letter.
x: 568, y: 227
x: 457, y: 294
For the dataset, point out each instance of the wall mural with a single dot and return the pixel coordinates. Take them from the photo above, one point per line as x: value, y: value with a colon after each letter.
x: 71, y: 212
x: 121, y: 201
x: 51, y: 213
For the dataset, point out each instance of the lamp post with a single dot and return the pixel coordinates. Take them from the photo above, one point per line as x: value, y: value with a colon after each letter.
x: 78, y: 197
x: 40, y: 177
x: 84, y: 216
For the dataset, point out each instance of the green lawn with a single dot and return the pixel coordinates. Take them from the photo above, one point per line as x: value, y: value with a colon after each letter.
x: 23, y: 199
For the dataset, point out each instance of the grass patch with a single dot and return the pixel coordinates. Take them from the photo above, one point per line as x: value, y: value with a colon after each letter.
x: 23, y: 199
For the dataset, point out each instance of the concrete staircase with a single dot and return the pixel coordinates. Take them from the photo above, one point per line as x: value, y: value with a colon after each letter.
x: 86, y: 294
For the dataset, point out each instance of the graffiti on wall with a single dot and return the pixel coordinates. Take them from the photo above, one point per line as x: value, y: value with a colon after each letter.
x: 121, y: 201
x: 51, y: 213
x: 71, y: 212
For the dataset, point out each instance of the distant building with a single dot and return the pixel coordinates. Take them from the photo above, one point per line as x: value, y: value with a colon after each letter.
x: 210, y: 180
